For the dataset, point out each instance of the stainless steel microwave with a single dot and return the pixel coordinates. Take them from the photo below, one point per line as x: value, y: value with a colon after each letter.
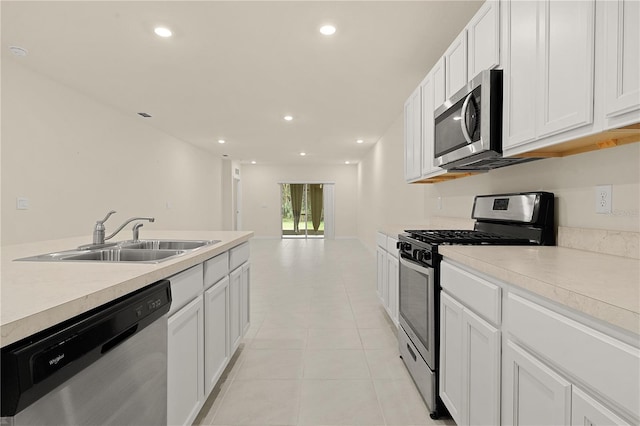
x: 468, y: 127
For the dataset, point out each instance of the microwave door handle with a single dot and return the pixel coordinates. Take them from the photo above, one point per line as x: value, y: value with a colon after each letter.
x: 463, y: 118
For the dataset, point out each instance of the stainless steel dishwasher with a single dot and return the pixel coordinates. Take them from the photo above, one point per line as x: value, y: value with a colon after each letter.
x: 107, y: 366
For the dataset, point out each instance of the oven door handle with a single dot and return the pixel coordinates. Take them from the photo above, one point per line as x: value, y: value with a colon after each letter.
x: 417, y: 268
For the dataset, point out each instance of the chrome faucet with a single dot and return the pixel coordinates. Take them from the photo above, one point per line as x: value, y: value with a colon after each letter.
x: 98, y: 230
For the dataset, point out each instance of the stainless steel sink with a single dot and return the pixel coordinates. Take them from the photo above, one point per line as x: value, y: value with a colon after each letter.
x: 166, y: 244
x: 141, y: 251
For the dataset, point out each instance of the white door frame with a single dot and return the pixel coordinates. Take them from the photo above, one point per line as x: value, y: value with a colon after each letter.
x: 237, y: 211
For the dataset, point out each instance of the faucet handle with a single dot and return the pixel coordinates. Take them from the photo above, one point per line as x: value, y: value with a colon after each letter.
x: 105, y: 218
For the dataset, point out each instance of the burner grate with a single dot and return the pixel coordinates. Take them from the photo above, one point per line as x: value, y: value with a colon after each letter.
x: 454, y: 236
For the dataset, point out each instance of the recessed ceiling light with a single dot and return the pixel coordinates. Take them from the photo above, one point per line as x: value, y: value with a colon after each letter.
x: 303, y: 154
x: 359, y: 141
x: 347, y: 162
x: 327, y: 30
x: 221, y: 141
x: 253, y: 162
x: 288, y: 117
x: 18, y: 51
x: 162, y: 31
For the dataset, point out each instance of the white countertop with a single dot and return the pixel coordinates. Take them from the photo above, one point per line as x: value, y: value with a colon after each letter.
x: 37, y: 295
x: 603, y: 286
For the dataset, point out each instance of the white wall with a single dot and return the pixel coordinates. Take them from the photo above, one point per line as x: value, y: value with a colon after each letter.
x: 75, y: 159
x: 383, y: 196
x: 572, y: 179
x: 261, y: 195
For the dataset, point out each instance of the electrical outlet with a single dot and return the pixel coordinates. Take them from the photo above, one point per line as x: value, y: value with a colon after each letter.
x: 603, y: 199
x: 22, y: 203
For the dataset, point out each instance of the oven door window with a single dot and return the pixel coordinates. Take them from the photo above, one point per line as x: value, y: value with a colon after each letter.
x: 417, y: 301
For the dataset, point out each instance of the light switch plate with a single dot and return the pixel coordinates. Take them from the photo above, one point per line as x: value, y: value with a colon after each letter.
x: 22, y: 203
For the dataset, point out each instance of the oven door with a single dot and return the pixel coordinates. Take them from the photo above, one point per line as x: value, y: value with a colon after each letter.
x: 417, y: 307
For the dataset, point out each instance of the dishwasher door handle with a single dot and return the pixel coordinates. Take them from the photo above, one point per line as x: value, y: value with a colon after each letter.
x: 119, y: 339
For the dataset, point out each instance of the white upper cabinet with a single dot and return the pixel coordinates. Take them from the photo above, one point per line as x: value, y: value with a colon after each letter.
x: 520, y: 26
x: 455, y: 59
x: 428, y: 127
x: 622, y: 62
x: 439, y: 84
x: 566, y: 43
x: 483, y: 38
x: 549, y: 68
x: 413, y: 135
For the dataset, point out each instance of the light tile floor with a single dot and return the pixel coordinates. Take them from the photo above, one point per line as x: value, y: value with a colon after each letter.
x: 321, y: 349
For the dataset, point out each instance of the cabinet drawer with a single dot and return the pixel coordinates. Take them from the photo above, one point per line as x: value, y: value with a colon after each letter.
x: 381, y: 240
x: 238, y: 255
x: 185, y: 287
x: 391, y: 246
x: 480, y: 295
x: 605, y: 364
x: 215, y: 269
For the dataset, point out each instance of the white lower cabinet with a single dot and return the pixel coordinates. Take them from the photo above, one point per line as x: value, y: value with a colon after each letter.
x: 469, y: 365
x: 534, y: 394
x: 185, y: 363
x: 235, y: 309
x: 450, y: 380
x: 381, y: 277
x: 586, y: 411
x: 512, y: 358
x: 209, y: 316
x: 245, y: 289
x: 216, y: 350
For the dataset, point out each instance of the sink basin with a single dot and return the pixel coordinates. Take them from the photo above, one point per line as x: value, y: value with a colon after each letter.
x: 142, y: 251
x: 108, y: 255
x: 124, y: 255
x: 166, y: 244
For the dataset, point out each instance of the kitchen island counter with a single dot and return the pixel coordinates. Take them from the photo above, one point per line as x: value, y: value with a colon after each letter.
x: 602, y: 286
x: 37, y: 295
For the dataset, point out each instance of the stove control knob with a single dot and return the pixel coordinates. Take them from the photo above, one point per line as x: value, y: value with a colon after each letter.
x: 418, y: 255
x: 426, y: 255
x: 403, y: 246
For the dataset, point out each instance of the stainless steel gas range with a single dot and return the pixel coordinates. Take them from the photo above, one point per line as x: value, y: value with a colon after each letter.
x: 505, y: 219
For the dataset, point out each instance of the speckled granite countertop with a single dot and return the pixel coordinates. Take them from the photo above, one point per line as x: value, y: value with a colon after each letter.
x: 37, y: 295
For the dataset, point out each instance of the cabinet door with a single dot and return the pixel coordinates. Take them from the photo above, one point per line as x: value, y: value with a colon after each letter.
x: 483, y: 33
x: 216, y: 329
x: 585, y: 411
x: 185, y: 364
x: 439, y: 84
x: 451, y: 380
x: 235, y: 309
x: 245, y: 299
x: 455, y: 59
x: 393, y: 268
x: 480, y: 370
x: 565, y: 65
x: 622, y: 64
x: 532, y: 393
x: 428, y: 127
x: 381, y: 260
x: 519, y: 47
x: 413, y: 135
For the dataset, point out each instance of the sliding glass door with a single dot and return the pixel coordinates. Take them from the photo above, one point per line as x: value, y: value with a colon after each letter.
x: 302, y: 207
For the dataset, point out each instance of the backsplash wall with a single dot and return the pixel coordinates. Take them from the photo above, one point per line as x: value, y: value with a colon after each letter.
x: 572, y: 179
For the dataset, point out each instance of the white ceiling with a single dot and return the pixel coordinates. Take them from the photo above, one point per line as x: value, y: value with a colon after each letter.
x: 233, y: 69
